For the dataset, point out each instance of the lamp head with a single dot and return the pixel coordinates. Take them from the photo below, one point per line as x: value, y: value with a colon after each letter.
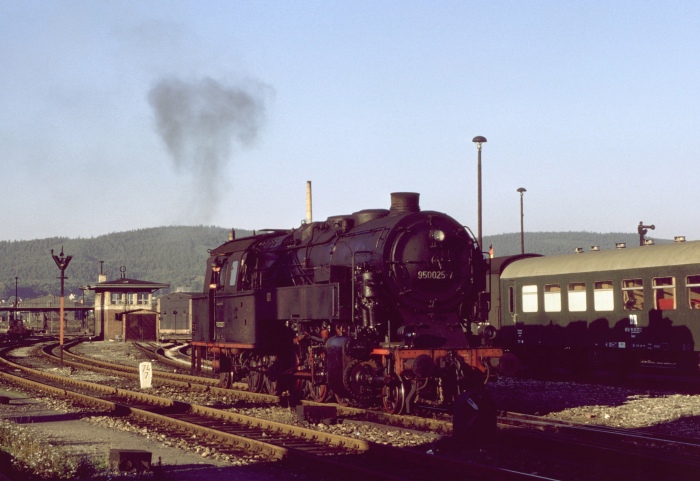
x: 478, y: 140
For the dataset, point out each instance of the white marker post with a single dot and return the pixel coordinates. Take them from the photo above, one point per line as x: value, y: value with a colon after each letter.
x: 145, y: 374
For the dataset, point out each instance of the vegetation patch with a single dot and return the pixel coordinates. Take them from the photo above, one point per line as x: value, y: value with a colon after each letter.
x: 29, y: 458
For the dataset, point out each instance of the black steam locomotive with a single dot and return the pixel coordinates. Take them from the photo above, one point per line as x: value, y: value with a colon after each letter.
x: 381, y: 306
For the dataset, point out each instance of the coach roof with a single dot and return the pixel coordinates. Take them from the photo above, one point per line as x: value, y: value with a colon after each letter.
x: 607, y: 260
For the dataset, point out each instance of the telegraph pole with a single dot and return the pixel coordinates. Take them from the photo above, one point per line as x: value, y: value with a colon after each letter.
x: 62, y: 263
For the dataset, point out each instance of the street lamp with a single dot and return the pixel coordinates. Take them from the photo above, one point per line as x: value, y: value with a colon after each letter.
x: 522, y: 232
x: 14, y: 313
x: 478, y: 140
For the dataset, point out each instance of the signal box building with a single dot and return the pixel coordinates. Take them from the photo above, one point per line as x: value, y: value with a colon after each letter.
x: 124, y: 308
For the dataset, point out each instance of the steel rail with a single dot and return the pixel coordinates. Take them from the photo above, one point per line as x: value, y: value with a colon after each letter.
x: 344, y: 465
x: 659, y: 457
x: 206, y: 385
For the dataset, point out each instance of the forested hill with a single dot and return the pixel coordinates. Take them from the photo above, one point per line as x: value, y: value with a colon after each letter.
x: 171, y: 255
x: 177, y: 256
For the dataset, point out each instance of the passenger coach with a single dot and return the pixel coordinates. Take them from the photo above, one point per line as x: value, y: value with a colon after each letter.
x: 623, y: 305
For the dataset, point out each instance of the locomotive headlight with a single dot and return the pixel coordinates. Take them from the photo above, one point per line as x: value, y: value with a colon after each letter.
x: 490, y: 332
x: 437, y: 235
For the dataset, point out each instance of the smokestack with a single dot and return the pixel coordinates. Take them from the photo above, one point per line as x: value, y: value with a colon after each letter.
x: 309, y: 216
x: 404, y: 203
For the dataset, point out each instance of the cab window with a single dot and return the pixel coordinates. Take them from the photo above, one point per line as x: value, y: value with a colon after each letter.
x: 221, y: 278
x: 234, y: 274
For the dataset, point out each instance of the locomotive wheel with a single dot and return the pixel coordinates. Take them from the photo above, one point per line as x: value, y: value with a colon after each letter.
x: 354, y: 380
x: 255, y: 377
x: 255, y: 381
x: 225, y: 379
x: 297, y: 390
x: 319, y: 393
x: 394, y: 396
x: 341, y: 400
x: 272, y: 387
x: 271, y: 378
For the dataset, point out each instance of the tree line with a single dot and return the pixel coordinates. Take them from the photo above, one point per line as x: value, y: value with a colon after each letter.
x: 174, y: 255
x: 177, y: 255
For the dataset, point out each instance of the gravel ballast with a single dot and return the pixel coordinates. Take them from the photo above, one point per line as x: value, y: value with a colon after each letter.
x: 94, y: 434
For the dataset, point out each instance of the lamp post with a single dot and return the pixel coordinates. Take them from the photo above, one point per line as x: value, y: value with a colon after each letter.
x: 62, y: 263
x: 14, y: 313
x: 522, y: 232
x: 478, y: 140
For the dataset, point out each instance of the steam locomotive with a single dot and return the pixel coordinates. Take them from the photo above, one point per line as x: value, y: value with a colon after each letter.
x: 381, y: 307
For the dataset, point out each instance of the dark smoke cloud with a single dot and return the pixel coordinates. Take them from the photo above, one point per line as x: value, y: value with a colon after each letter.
x: 201, y: 124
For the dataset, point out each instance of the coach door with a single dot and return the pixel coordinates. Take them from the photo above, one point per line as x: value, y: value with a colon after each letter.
x: 510, y: 305
x: 511, y: 328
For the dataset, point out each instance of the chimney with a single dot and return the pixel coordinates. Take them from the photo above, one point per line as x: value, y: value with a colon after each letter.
x: 309, y: 216
x: 404, y: 203
x: 102, y: 277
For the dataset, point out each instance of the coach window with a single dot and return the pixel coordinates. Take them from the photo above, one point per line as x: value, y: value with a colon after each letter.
x: 632, y: 294
x: 692, y: 284
x: 529, y: 298
x: 664, y: 293
x: 603, y: 296
x: 577, y: 297
x: 552, y: 298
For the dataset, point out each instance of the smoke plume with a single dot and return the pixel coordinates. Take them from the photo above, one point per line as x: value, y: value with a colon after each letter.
x: 201, y: 123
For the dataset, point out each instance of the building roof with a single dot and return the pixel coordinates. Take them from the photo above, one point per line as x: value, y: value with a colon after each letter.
x: 126, y: 285
x: 609, y: 260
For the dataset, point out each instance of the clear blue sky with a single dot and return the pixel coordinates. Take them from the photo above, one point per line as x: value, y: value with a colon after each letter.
x: 119, y: 115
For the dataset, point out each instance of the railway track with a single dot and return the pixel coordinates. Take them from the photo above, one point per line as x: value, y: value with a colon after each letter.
x: 345, y: 456
x: 616, y: 451
x: 210, y: 385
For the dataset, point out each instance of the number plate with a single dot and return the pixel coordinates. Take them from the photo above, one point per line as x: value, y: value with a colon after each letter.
x: 432, y: 275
